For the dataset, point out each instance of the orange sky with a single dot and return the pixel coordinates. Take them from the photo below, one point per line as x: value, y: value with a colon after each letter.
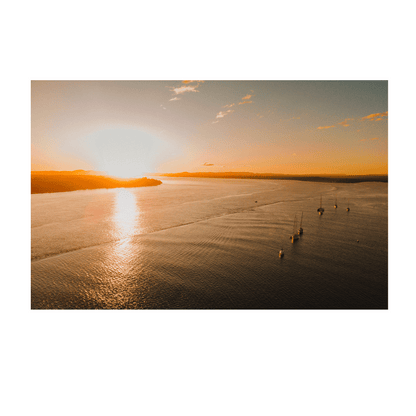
x: 130, y: 128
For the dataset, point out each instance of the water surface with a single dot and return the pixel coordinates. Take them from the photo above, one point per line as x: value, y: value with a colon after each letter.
x: 211, y: 243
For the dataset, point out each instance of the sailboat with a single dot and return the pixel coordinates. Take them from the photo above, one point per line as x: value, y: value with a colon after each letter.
x: 294, y: 236
x: 348, y: 207
x: 335, y: 205
x: 320, y: 209
x: 281, y: 253
x: 300, y: 231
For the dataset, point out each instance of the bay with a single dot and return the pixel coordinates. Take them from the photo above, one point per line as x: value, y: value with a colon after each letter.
x: 194, y: 243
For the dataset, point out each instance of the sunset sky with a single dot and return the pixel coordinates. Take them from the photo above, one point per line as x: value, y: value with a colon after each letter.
x: 132, y: 128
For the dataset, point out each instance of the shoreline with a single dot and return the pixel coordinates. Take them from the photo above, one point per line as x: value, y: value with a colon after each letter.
x: 310, y: 178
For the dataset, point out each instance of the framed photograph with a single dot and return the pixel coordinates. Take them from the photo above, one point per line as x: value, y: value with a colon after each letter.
x: 209, y: 195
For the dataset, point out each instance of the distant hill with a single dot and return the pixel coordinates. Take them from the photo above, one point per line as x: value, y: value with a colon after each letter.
x: 66, y: 181
x: 251, y: 175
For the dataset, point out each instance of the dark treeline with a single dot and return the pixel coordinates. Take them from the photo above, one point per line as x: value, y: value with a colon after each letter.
x: 312, y: 178
x: 44, y: 182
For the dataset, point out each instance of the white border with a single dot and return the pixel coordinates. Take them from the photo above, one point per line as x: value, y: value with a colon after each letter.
x: 25, y: 316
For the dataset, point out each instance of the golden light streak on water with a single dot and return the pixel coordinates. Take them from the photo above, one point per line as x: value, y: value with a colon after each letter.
x: 119, y: 257
x: 127, y: 223
x: 126, y: 214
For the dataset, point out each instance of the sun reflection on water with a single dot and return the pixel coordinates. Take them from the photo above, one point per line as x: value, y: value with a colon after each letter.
x: 126, y: 214
x: 126, y: 224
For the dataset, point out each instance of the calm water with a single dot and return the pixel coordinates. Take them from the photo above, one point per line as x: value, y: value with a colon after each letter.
x: 207, y: 243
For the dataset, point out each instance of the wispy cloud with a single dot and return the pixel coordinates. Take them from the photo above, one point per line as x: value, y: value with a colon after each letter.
x: 184, y: 89
x: 222, y: 114
x: 374, y: 138
x: 208, y: 164
x: 188, y: 82
x: 345, y: 123
x: 325, y: 127
x: 363, y: 140
x: 377, y: 116
x: 247, y: 97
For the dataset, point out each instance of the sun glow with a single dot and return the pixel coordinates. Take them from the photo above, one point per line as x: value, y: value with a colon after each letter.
x: 125, y: 172
x: 125, y: 152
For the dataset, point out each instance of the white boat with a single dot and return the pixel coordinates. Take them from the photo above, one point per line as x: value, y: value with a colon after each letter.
x: 348, y: 207
x: 295, y: 235
x: 320, y: 209
x: 281, y: 253
x: 300, y: 231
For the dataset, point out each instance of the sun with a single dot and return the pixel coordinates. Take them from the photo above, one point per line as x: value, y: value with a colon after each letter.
x: 125, y: 152
x: 125, y: 171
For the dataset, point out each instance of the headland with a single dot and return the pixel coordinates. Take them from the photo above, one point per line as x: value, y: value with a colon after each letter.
x: 67, y: 181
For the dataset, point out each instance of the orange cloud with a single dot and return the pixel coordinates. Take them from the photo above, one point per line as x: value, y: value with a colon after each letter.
x: 247, y: 97
x: 325, y: 127
x: 363, y: 140
x: 375, y: 115
x: 245, y: 102
x: 344, y: 123
x: 185, y: 88
x: 227, y: 106
x: 222, y: 114
x: 181, y: 90
x: 374, y: 138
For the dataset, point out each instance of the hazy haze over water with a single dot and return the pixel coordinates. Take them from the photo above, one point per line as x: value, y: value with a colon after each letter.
x: 207, y: 243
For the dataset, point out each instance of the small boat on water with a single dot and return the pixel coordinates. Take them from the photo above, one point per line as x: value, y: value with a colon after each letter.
x: 348, y: 206
x: 335, y: 205
x: 281, y: 253
x: 320, y: 209
x: 300, y: 231
x: 295, y: 235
